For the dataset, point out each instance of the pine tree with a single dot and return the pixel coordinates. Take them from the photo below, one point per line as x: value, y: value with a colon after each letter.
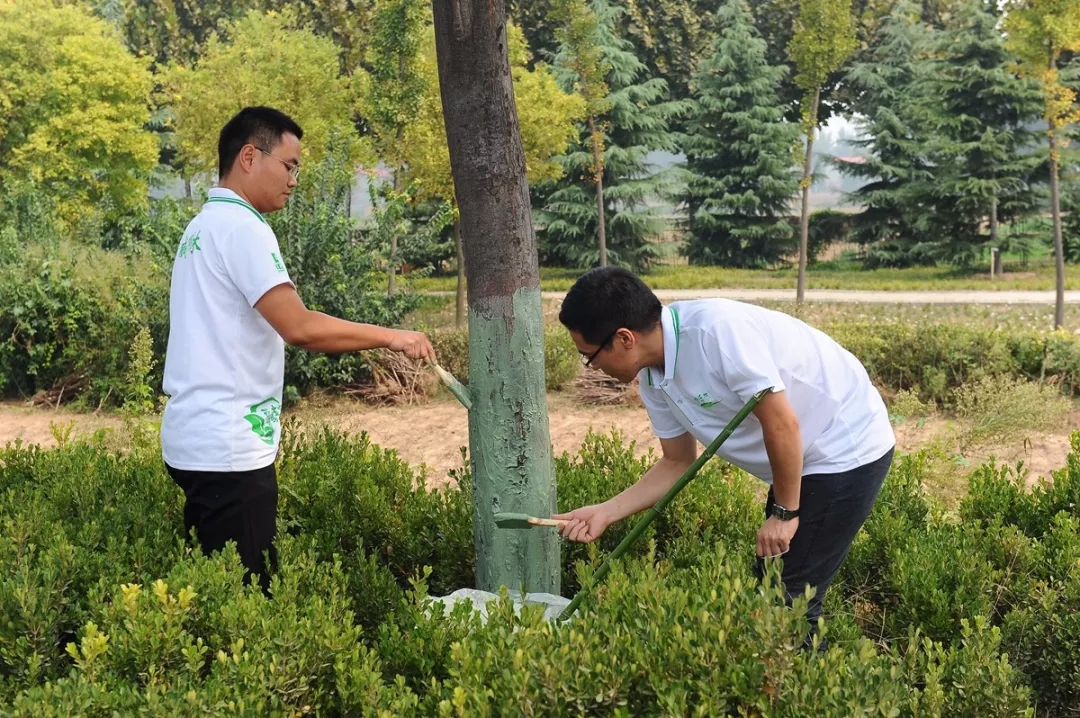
x: 635, y: 123
x: 982, y: 147
x: 885, y: 101
x: 739, y: 152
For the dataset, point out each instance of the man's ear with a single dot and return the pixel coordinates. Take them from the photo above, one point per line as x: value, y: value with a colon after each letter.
x: 625, y: 337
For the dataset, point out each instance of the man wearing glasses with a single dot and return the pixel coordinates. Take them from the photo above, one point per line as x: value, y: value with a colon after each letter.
x: 232, y: 308
x: 821, y: 438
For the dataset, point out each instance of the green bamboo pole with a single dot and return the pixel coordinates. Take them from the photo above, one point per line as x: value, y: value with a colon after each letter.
x: 662, y: 504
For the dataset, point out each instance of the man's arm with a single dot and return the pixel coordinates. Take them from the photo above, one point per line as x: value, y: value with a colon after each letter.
x: 283, y: 309
x: 589, y: 522
x: 783, y: 444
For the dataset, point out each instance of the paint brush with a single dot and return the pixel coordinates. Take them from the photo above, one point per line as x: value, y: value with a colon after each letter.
x: 524, y: 521
x: 459, y: 390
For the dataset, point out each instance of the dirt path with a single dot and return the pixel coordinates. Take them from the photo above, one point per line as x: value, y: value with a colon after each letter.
x: 432, y: 434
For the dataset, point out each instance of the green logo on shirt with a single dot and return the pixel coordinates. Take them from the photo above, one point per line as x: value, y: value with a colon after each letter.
x: 277, y: 262
x: 264, y: 419
x: 189, y: 245
x: 705, y: 400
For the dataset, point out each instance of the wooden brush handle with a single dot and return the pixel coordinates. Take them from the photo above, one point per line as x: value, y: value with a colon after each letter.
x: 546, y: 522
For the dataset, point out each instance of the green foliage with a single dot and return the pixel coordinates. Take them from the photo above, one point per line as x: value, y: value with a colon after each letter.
x: 138, y: 394
x: 68, y: 316
x: 738, y: 150
x: 336, y: 271
x: 561, y: 359
x: 173, y: 31
x: 635, y: 122
x: 73, y: 106
x: 108, y: 611
x: 827, y: 227
x: 982, y: 150
x: 1040, y: 32
x: 937, y: 359
x: 824, y: 38
x: 392, y: 91
x: 270, y: 60
x: 884, y: 85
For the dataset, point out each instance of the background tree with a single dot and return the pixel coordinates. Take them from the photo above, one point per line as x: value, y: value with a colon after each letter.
x: 982, y: 146
x: 586, y: 65
x: 391, y: 92
x: 1039, y: 31
x: 546, y: 115
x: 270, y: 61
x: 824, y: 38
x: 738, y: 152
x: 609, y: 169
x: 73, y: 107
x: 884, y: 90
x: 175, y: 32
x: 508, y: 429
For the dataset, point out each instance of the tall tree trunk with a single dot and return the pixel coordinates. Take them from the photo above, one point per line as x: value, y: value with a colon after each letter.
x: 599, y: 166
x: 391, y: 286
x: 1055, y: 212
x: 508, y: 428
x: 995, y: 249
x: 459, y: 306
x: 804, y: 220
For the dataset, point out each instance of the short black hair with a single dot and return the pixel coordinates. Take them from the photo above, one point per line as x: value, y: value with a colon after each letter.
x: 609, y: 298
x: 260, y: 126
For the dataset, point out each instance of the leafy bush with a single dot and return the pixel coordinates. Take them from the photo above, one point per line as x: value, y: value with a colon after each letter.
x: 106, y: 610
x: 68, y: 316
x: 936, y: 359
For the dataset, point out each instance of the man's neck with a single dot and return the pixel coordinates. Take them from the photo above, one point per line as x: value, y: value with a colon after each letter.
x: 232, y: 186
x: 652, y: 345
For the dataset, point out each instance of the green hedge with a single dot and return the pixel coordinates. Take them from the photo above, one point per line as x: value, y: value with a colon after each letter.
x: 104, y: 611
x: 935, y: 359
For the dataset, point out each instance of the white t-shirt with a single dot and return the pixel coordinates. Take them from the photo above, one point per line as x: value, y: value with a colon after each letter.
x: 225, y: 364
x: 718, y: 353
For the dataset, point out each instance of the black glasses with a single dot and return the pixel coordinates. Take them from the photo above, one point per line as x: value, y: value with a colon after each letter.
x: 294, y: 170
x: 587, y: 359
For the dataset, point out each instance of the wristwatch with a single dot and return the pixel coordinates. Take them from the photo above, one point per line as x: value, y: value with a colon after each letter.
x: 784, y: 514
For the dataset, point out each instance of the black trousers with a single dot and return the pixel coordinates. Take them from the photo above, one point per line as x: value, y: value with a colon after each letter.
x: 239, y: 506
x: 832, y: 509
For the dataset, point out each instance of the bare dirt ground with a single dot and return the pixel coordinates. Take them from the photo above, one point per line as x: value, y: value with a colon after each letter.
x: 432, y: 434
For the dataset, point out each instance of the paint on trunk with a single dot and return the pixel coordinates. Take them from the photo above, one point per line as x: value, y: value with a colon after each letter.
x: 510, y: 444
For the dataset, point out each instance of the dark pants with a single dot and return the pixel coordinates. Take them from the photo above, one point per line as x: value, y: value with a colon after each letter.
x: 239, y: 506
x: 832, y: 509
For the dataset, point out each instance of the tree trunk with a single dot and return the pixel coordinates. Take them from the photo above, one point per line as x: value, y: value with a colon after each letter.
x: 1059, y: 249
x: 598, y: 164
x: 508, y: 428
x: 459, y: 307
x: 995, y: 250
x: 804, y: 220
x: 391, y: 286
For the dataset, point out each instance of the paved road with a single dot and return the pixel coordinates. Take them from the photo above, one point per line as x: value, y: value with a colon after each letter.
x: 874, y: 297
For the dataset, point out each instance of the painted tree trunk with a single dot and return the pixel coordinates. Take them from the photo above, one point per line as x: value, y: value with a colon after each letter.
x: 807, y: 180
x: 601, y: 225
x: 508, y: 429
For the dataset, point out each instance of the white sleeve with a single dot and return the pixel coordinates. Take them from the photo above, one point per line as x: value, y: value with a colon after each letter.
x: 746, y: 363
x: 664, y: 423
x: 252, y: 259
